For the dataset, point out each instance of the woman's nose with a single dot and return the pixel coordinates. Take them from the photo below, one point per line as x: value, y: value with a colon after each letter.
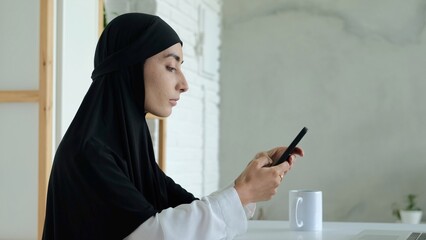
x: 183, y: 84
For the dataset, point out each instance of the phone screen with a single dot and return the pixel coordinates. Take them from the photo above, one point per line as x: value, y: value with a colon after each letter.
x: 291, y: 148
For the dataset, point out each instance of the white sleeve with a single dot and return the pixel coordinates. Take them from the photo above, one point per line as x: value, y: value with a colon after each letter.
x: 217, y: 216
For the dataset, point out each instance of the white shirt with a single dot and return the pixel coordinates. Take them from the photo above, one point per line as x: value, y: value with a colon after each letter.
x: 217, y: 216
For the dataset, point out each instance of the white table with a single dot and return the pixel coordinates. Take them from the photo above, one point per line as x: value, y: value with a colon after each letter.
x: 270, y: 230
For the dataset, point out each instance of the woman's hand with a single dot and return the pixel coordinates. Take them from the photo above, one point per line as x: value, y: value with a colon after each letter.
x: 259, y: 182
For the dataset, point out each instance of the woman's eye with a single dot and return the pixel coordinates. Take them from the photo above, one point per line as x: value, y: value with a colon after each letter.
x: 171, y: 69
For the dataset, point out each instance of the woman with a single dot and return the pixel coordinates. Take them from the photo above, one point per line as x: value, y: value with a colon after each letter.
x: 105, y: 183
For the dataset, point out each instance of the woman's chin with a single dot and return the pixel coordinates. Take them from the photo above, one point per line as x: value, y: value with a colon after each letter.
x: 162, y: 114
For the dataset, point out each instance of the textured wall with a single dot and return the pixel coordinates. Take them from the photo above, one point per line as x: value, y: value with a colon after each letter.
x: 353, y: 72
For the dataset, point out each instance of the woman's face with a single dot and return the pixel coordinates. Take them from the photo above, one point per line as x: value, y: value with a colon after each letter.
x: 164, y: 81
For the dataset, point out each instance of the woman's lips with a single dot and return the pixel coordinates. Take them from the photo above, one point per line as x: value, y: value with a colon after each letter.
x: 173, y: 102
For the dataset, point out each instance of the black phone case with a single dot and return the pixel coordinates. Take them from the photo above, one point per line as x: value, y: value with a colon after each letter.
x: 291, y: 148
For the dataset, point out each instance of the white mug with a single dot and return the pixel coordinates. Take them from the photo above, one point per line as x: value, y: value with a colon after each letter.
x: 305, y: 210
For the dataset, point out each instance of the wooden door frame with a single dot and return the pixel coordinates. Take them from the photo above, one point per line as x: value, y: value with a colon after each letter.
x: 43, y: 96
x: 45, y: 107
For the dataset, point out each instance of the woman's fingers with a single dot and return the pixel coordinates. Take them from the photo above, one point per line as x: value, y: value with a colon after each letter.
x: 259, y: 183
x: 298, y: 151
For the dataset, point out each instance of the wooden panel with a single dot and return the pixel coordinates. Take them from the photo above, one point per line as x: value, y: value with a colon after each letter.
x: 43, y: 97
x: 162, y: 136
x: 101, y: 17
x: 162, y: 144
x: 45, y: 106
x: 19, y: 96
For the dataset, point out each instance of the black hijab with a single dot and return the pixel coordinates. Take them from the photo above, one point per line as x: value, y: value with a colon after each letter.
x: 105, y: 181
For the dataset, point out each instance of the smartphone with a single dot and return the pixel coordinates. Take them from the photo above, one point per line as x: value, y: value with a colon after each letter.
x: 290, y: 148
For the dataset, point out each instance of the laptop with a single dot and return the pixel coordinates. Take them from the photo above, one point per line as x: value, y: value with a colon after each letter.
x: 390, y: 235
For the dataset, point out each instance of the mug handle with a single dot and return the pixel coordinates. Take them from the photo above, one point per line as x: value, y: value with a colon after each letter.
x: 299, y: 200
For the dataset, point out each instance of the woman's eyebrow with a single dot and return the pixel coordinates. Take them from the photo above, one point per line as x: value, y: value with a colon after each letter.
x: 175, y: 56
